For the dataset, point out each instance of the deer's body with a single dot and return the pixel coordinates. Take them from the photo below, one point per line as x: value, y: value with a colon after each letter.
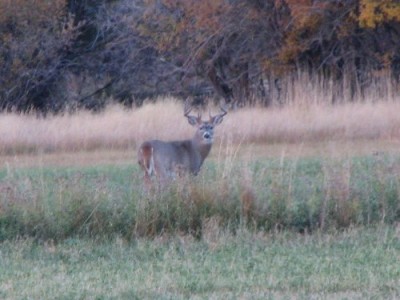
x: 166, y: 159
x: 170, y: 159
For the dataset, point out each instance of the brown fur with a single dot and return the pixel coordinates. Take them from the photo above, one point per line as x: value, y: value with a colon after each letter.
x: 145, y: 156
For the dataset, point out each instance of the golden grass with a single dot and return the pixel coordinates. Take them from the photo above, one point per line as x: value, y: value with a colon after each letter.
x: 115, y: 128
x: 293, y: 127
x: 296, y: 124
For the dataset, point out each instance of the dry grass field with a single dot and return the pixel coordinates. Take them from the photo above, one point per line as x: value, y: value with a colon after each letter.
x: 112, y: 136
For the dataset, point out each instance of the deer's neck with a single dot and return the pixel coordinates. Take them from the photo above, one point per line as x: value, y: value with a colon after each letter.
x: 202, y: 149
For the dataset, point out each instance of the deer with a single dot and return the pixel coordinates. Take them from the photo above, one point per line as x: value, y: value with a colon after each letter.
x: 168, y: 160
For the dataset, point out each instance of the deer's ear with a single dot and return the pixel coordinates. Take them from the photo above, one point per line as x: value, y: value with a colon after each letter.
x: 193, y: 120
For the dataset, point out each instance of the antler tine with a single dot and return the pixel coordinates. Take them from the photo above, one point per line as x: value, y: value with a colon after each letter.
x: 217, y: 119
x: 187, y: 109
x: 192, y: 119
x: 224, y: 112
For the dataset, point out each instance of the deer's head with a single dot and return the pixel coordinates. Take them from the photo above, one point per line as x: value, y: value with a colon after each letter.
x: 205, y: 129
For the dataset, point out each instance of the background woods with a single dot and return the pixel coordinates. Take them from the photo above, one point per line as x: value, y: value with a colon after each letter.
x: 67, y: 54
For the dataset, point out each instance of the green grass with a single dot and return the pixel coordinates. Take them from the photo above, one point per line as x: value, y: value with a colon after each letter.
x: 353, y: 264
x: 299, y: 194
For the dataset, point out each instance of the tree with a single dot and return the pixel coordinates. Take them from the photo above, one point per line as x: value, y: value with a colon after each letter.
x: 33, y: 37
x: 346, y: 42
x: 68, y: 54
x: 230, y: 43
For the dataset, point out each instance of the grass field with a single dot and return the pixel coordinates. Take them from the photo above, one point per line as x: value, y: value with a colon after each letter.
x: 119, y: 129
x: 293, y: 203
x: 354, y: 264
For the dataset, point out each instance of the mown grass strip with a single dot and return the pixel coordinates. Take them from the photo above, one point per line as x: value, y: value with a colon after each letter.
x: 357, y: 263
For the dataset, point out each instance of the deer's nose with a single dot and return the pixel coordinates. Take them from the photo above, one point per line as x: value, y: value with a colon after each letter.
x: 207, y: 135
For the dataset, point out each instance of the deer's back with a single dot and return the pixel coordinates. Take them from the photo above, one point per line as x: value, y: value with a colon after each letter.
x: 170, y: 155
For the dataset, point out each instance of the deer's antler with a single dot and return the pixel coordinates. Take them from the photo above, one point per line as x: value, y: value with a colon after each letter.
x: 193, y: 120
x: 218, y: 118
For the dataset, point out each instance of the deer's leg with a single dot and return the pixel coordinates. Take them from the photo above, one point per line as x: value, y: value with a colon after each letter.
x: 147, y: 180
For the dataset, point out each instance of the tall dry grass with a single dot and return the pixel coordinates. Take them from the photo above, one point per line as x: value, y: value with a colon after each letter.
x: 304, y: 120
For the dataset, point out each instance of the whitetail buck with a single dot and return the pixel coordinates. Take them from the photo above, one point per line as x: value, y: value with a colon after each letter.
x: 170, y: 159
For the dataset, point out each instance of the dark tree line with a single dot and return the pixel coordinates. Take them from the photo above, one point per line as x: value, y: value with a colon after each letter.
x: 69, y: 54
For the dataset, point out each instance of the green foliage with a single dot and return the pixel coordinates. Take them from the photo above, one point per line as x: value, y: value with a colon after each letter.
x: 102, y: 202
